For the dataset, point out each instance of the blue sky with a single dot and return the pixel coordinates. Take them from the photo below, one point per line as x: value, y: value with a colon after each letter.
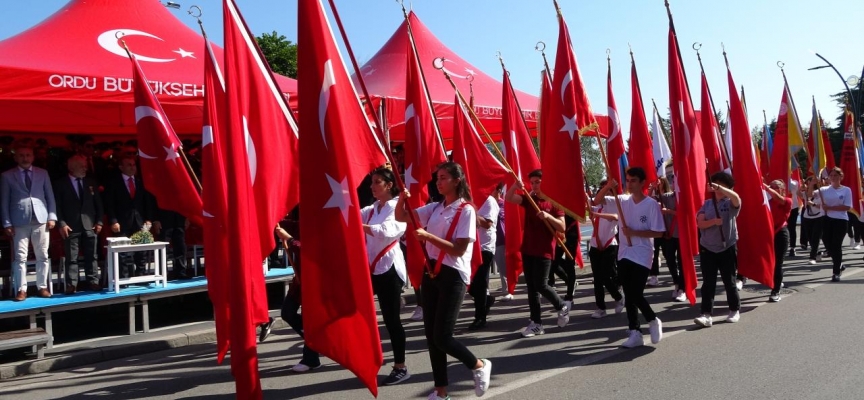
x: 756, y: 34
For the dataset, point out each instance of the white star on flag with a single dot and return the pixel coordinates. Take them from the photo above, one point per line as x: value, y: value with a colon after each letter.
x: 409, y: 177
x: 341, y: 197
x: 569, y: 126
x: 172, y: 154
x: 184, y: 53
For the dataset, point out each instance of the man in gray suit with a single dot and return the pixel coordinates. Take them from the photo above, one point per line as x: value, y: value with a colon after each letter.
x: 28, y: 212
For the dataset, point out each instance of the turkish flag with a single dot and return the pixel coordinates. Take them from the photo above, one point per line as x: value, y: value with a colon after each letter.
x: 641, y: 147
x: 520, y: 155
x: 689, y: 161
x: 710, y: 131
x: 780, y: 168
x: 829, y: 151
x: 337, y: 152
x: 423, y: 152
x: 214, y: 196
x: 162, y: 167
x: 849, y: 162
x: 755, y: 226
x: 765, y: 152
x: 614, y: 141
x: 570, y: 116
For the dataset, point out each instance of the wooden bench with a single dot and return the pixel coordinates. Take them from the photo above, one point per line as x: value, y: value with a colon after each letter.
x: 36, y: 337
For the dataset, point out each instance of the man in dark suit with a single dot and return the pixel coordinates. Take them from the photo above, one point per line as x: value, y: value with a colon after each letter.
x: 173, y: 226
x: 79, y: 215
x: 128, y: 207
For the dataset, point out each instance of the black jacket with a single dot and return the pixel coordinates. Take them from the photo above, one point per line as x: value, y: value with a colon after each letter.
x: 71, y: 210
x: 129, y: 212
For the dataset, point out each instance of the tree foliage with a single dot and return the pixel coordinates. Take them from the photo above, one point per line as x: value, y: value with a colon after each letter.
x: 280, y: 53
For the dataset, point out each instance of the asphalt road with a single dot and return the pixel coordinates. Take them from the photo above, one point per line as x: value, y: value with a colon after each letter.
x: 805, y: 347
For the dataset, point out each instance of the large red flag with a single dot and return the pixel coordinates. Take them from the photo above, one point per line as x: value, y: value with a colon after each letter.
x: 850, y: 164
x: 214, y: 197
x: 641, y: 147
x: 829, y: 151
x: 765, y: 152
x: 710, y: 131
x: 689, y: 161
x: 162, y: 167
x: 570, y: 116
x: 614, y: 141
x: 781, y: 167
x: 755, y: 226
x: 423, y: 152
x: 519, y: 152
x: 339, y: 149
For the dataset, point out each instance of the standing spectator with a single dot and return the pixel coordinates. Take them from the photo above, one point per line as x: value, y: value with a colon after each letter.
x: 79, y: 214
x: 28, y: 211
x: 129, y: 207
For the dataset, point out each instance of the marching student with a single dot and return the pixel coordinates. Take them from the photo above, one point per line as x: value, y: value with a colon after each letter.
x: 603, y: 252
x: 451, y: 227
x: 837, y: 202
x: 718, y: 253
x: 387, y: 263
x: 812, y: 219
x: 640, y: 224
x: 487, y: 219
x: 781, y: 207
x: 794, y: 192
x: 538, y: 248
x: 501, y: 246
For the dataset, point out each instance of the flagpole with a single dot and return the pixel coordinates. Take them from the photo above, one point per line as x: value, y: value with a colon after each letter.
x: 606, y: 159
x: 422, y: 74
x: 378, y: 124
x: 439, y: 64
x: 722, y: 143
x: 678, y: 48
x: 180, y: 150
x: 513, y: 93
x: 780, y: 64
x: 665, y: 134
x: 542, y: 50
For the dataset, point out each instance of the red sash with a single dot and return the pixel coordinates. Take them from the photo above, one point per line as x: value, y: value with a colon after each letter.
x: 596, y: 233
x: 449, y: 237
x: 386, y: 249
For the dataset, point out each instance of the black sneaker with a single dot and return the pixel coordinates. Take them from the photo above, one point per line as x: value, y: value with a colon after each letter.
x: 397, y: 375
x: 774, y: 297
x: 792, y: 252
x: 490, y: 300
x: 477, y: 325
x: 265, y: 330
x: 835, y: 278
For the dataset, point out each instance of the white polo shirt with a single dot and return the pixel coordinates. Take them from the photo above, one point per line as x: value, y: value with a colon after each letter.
x: 489, y: 211
x: 605, y: 229
x: 385, y: 230
x: 437, y: 218
x: 841, y: 196
x: 642, y: 216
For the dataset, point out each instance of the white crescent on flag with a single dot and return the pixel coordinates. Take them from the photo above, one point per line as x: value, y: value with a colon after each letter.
x: 324, y: 98
x: 250, y: 151
x: 109, y: 41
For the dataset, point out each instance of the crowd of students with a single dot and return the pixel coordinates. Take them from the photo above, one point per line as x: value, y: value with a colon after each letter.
x: 630, y: 230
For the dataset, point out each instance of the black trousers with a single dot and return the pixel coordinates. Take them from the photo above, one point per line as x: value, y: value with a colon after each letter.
x: 833, y: 234
x: 655, y: 262
x: 633, y: 278
x: 814, y: 233
x: 480, y: 286
x: 85, y: 243
x: 388, y: 287
x: 442, y: 298
x: 565, y: 269
x: 806, y: 226
x: 605, y: 274
x: 854, y: 230
x: 792, y: 223
x: 536, y: 270
x: 177, y: 238
x: 781, y: 243
x: 289, y: 314
x: 671, y: 248
x: 725, y: 263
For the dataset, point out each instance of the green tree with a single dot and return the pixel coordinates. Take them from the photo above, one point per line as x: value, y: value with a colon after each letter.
x: 592, y: 160
x: 280, y: 53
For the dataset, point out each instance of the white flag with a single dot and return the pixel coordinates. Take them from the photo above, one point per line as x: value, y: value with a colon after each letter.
x: 729, y: 140
x: 662, y: 154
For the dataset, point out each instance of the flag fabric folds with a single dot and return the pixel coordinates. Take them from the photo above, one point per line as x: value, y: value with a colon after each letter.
x: 710, y: 131
x: 163, y: 169
x: 782, y: 153
x: 755, y: 226
x: 662, y: 153
x: 849, y: 162
x: 569, y: 116
x: 689, y: 161
x: 641, y: 149
x: 829, y: 151
x: 765, y: 151
x: 816, y: 144
x: 614, y: 141
x: 337, y: 152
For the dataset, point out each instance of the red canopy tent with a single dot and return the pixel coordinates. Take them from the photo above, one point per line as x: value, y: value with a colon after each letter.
x: 70, y: 74
x: 384, y: 75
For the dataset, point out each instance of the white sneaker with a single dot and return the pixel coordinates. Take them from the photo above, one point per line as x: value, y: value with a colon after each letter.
x: 598, y: 314
x: 739, y: 284
x: 300, y: 368
x: 533, y: 330
x: 812, y: 262
x: 482, y: 377
x: 653, y: 280
x: 655, y: 327
x: 857, y: 246
x: 619, y: 307
x: 434, y: 396
x: 682, y: 297
x: 564, y: 314
x: 634, y: 340
x: 734, y: 316
x: 418, y: 314
x: 507, y: 297
x: 704, y: 321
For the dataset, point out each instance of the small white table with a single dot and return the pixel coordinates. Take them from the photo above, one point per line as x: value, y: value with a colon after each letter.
x: 159, y: 257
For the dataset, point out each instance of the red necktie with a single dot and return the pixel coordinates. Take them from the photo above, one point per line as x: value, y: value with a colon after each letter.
x: 131, y: 185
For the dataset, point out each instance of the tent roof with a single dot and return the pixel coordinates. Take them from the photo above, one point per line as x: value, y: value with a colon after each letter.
x: 70, y: 74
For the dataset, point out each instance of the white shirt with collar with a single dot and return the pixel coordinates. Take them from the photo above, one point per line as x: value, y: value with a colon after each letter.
x: 605, y: 229
x: 437, y: 218
x: 385, y: 231
x: 74, y: 181
x: 489, y: 211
